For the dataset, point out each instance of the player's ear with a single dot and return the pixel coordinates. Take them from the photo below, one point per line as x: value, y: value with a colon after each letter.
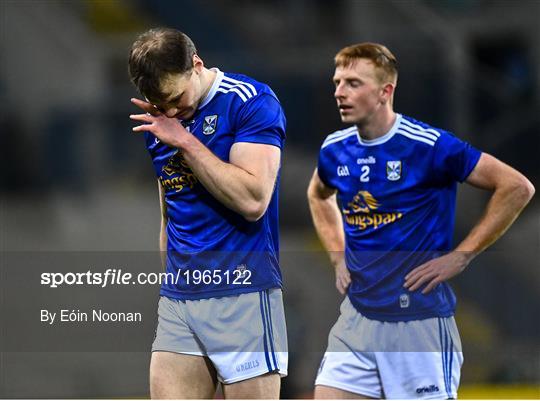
x: 198, y: 64
x: 387, y: 91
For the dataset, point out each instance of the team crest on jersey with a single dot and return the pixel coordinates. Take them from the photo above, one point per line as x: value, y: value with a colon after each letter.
x: 393, y: 170
x: 210, y: 124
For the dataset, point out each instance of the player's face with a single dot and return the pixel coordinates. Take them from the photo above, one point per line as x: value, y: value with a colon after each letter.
x: 182, y: 94
x: 358, y: 92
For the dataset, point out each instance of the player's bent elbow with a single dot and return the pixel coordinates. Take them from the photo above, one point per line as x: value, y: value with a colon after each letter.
x: 523, y: 190
x: 312, y: 193
x: 254, y: 211
x: 527, y: 189
x: 309, y: 193
x: 253, y: 217
x: 315, y: 200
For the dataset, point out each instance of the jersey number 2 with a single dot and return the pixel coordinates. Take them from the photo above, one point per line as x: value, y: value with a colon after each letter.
x: 364, y: 177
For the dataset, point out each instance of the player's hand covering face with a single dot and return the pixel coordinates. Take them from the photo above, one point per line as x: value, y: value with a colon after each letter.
x: 182, y: 94
x: 168, y: 130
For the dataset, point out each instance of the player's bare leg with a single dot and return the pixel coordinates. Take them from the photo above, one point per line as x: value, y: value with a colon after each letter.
x: 261, y: 387
x: 332, y: 393
x: 180, y: 376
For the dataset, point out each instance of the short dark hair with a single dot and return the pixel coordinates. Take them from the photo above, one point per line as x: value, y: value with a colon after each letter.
x: 157, y: 53
x: 383, y: 59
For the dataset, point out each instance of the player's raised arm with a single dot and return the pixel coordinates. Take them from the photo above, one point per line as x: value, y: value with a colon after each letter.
x: 329, y: 226
x: 245, y: 184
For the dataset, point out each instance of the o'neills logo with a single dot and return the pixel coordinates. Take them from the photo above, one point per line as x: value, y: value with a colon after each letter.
x: 360, y: 212
x: 176, y: 174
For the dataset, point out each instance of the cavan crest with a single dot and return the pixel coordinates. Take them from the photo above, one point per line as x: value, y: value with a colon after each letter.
x: 393, y: 170
x: 210, y: 124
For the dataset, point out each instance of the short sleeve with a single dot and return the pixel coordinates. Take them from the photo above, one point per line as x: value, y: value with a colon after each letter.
x: 454, y: 159
x: 261, y: 120
x: 323, y: 165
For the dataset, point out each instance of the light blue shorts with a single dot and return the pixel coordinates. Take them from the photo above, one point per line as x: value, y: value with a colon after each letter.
x: 419, y: 359
x: 243, y: 335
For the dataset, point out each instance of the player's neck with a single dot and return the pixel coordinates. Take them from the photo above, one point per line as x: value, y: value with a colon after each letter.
x: 378, y: 126
x: 207, y: 80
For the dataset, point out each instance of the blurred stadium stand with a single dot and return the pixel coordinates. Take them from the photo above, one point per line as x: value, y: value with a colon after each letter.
x: 73, y: 177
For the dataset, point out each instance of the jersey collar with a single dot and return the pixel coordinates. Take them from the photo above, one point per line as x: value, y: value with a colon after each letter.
x: 213, y: 89
x: 382, y: 139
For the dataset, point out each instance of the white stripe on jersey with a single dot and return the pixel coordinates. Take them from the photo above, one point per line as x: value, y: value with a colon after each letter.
x: 244, y: 89
x: 341, y: 132
x: 419, y: 133
x: 237, y: 82
x: 236, y: 90
x: 415, y: 137
x: 339, y: 138
x: 418, y: 127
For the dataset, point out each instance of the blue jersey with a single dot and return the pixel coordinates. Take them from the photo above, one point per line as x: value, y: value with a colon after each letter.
x: 397, y: 195
x: 212, y: 250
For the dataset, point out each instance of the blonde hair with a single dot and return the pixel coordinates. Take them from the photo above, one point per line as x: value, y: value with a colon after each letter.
x: 385, y: 62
